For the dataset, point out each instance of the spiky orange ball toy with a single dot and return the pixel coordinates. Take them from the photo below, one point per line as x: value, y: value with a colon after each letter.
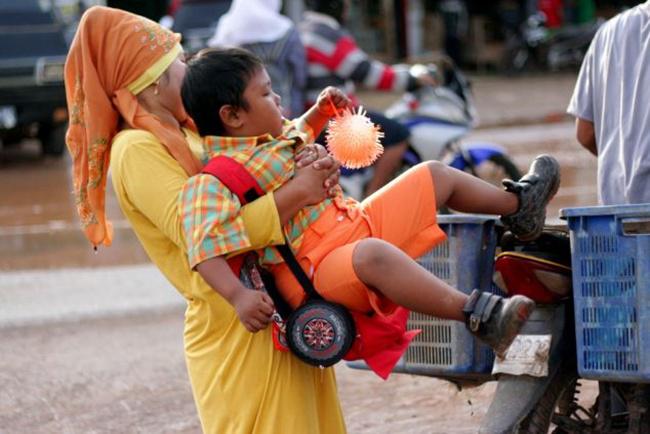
x: 353, y: 139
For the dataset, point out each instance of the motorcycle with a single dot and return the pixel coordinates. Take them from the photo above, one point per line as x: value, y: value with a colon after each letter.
x: 594, y: 334
x: 540, y: 365
x: 535, y: 44
x: 591, y: 334
x: 438, y: 117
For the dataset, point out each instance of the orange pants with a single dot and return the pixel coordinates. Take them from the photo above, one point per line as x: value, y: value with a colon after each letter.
x: 403, y: 213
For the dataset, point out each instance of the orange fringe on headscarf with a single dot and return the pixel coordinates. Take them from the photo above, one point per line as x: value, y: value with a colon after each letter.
x: 111, y: 50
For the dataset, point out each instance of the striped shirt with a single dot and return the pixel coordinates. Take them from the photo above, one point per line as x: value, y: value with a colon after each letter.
x: 334, y: 59
x: 212, y: 225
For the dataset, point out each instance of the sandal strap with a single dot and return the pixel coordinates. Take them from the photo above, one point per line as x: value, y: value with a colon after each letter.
x: 479, y: 307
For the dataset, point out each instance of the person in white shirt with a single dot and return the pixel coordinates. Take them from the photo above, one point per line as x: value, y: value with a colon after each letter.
x: 610, y: 105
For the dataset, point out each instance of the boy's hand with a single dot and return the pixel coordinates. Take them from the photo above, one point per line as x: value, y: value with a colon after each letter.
x: 331, y: 98
x: 254, y: 309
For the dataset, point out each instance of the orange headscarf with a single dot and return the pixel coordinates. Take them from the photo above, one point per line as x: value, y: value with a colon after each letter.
x: 113, y: 51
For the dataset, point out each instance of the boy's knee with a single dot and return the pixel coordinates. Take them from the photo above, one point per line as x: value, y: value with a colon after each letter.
x: 436, y: 168
x: 369, y: 255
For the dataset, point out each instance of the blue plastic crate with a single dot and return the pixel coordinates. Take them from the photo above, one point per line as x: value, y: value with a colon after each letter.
x: 465, y: 261
x: 610, y: 252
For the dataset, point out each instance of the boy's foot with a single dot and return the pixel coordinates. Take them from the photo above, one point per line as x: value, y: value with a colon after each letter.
x: 496, y: 320
x: 535, y: 190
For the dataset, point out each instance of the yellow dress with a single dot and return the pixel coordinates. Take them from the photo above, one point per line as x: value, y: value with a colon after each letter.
x: 241, y: 384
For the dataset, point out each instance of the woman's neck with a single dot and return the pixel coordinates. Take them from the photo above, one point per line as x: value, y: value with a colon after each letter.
x: 152, y: 104
x: 167, y: 118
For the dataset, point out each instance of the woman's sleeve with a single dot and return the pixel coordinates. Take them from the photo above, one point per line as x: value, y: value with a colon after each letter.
x: 262, y: 222
x: 151, y: 182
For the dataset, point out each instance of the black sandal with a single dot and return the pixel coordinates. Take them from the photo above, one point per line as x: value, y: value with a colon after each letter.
x: 496, y: 320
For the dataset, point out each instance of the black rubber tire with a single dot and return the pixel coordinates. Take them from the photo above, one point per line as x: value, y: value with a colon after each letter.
x: 502, y: 167
x: 516, y: 57
x: 339, y: 321
x: 12, y: 136
x: 508, y: 166
x: 562, y: 386
x: 52, y: 139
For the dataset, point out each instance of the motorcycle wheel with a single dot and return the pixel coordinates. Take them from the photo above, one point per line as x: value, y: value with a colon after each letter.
x: 561, y: 388
x: 559, y: 405
x: 496, y: 168
x: 516, y: 57
x: 52, y: 138
x: 493, y: 169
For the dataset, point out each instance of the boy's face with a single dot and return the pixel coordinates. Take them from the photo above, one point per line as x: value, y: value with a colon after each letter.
x: 264, y: 113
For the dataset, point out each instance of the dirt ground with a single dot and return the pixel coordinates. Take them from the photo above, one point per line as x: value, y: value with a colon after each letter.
x: 127, y: 374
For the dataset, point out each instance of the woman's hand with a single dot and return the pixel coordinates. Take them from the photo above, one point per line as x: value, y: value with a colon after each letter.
x: 316, y: 177
x: 309, y: 154
x: 315, y: 167
x: 332, y: 167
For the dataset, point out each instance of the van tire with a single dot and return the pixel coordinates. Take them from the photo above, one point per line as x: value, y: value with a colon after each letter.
x: 52, y: 137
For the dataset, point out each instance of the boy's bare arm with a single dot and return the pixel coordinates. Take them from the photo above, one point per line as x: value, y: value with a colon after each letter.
x: 254, y: 308
x: 330, y: 101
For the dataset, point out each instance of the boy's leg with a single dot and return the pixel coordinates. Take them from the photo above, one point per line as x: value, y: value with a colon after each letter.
x: 463, y: 192
x: 522, y: 205
x: 388, y: 270
x: 402, y: 212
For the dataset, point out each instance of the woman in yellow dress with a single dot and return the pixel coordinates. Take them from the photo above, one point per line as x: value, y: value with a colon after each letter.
x: 123, y: 76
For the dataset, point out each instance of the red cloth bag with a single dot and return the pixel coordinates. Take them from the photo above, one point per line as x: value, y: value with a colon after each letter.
x: 381, y: 341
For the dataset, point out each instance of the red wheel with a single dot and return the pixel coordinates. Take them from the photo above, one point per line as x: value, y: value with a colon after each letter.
x: 320, y: 333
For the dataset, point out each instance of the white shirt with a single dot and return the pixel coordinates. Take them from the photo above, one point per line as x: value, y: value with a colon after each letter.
x: 613, y: 92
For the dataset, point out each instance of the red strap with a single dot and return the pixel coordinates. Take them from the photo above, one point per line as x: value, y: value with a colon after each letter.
x: 236, y: 263
x: 235, y: 177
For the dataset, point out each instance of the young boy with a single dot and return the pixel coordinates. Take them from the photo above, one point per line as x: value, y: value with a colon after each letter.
x: 357, y: 254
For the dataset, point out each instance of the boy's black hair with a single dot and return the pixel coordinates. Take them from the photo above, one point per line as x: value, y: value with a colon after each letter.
x: 216, y: 77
